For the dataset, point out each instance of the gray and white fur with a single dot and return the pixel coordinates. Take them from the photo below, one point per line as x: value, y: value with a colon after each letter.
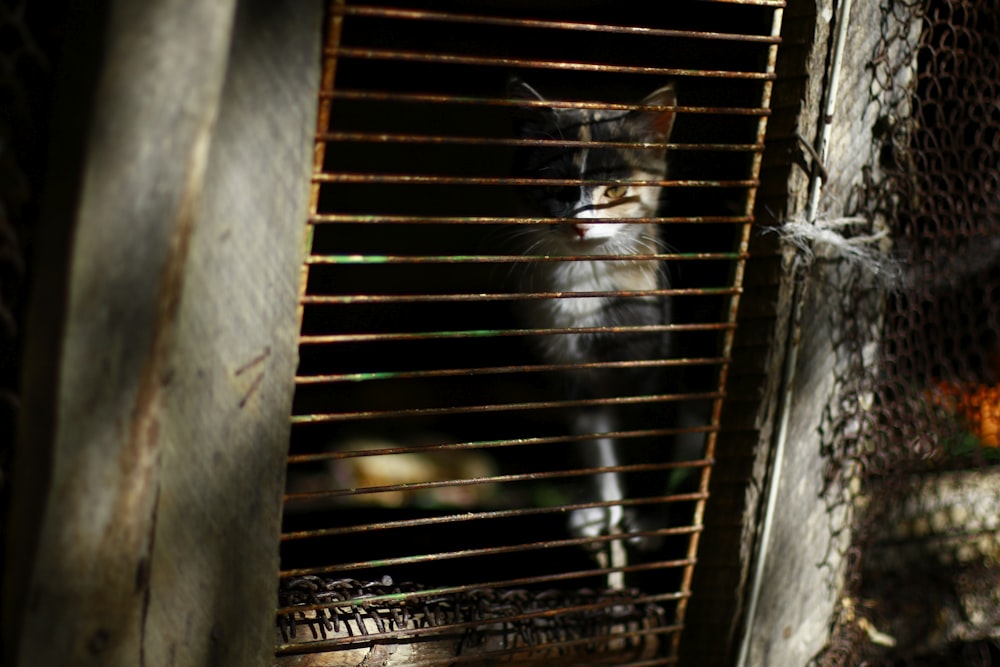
x: 600, y: 224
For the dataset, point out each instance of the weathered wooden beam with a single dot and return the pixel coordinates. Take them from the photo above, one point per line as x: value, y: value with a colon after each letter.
x: 743, y: 450
x: 163, y: 339
x: 795, y: 590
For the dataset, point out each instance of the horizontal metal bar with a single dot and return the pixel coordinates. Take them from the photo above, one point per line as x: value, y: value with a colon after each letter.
x: 504, y: 583
x: 324, y: 339
x: 441, y: 593
x: 492, y: 479
x: 332, y: 378
x: 495, y: 444
x: 499, y: 514
x: 442, y: 98
x: 501, y: 407
x: 500, y: 550
x: 464, y: 516
x: 517, y: 548
x: 378, y: 219
x: 481, y: 19
x: 533, y: 63
x: 343, y: 299
x: 415, y: 179
x: 758, y: 3
x: 516, y: 259
x: 423, y: 139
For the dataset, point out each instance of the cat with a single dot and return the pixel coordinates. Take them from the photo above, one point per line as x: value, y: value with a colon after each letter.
x: 590, y: 206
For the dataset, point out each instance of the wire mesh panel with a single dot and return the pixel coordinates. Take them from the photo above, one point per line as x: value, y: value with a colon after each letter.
x: 449, y: 446
x: 916, y: 422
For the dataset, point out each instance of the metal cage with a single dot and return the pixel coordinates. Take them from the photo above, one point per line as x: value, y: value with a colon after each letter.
x: 429, y: 475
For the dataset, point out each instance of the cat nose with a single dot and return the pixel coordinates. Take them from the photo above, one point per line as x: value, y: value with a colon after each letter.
x: 580, y: 230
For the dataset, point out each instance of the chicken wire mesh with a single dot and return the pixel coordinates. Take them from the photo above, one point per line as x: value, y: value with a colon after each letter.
x: 912, y: 432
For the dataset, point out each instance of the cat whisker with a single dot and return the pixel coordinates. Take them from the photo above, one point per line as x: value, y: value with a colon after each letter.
x: 656, y: 241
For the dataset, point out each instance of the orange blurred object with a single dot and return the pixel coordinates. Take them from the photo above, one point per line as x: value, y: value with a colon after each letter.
x: 977, y: 404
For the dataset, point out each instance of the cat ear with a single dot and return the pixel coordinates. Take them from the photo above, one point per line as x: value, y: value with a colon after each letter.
x: 519, y: 90
x: 660, y: 123
x: 529, y: 121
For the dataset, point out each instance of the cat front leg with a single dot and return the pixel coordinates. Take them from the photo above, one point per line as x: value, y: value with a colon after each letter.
x: 600, y: 452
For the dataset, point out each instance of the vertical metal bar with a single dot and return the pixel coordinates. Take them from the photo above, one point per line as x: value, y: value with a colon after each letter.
x: 334, y: 28
x: 729, y: 334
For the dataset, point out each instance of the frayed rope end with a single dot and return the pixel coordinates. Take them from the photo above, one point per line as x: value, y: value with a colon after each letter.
x: 825, y: 240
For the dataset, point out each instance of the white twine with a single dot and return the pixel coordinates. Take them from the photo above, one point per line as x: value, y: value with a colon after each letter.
x: 823, y: 239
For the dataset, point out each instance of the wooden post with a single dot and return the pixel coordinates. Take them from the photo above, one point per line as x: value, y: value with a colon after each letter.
x: 163, y: 338
x: 770, y: 577
x: 799, y: 578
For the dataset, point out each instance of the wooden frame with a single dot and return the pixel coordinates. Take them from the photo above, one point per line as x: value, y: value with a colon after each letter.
x: 162, y: 338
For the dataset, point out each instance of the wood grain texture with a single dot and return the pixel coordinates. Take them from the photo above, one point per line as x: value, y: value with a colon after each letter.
x: 754, y: 383
x: 803, y: 572
x: 155, y: 484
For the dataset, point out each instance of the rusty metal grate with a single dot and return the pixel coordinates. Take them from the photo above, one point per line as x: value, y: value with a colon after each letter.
x: 430, y: 473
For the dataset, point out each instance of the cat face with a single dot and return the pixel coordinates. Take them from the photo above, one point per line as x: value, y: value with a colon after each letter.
x: 591, y: 203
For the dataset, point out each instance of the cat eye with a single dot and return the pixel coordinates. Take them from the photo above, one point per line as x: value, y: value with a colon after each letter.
x: 615, y: 191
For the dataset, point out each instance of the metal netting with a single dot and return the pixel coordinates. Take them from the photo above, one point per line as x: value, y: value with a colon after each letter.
x: 912, y: 432
x: 507, y: 622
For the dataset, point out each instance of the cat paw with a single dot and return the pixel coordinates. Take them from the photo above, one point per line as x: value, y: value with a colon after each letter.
x: 595, y: 522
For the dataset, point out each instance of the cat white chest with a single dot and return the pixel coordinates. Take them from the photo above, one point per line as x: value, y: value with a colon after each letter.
x: 583, y: 312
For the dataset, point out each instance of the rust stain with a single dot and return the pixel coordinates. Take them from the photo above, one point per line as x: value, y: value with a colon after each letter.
x: 482, y: 19
x: 258, y: 379
x: 514, y: 63
x: 134, y: 533
x: 260, y: 358
x: 252, y: 390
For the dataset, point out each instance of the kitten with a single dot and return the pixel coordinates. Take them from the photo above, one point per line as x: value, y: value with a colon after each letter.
x: 590, y: 206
